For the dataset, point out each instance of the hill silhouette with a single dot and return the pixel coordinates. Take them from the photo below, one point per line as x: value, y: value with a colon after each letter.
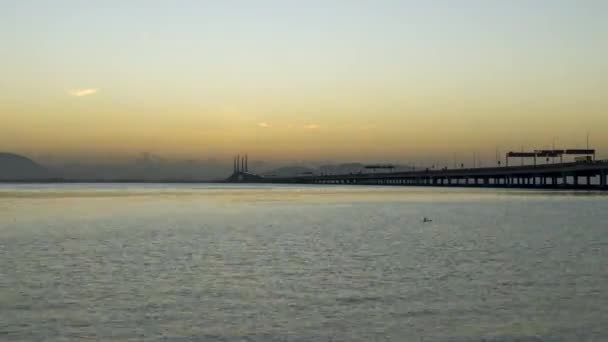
x: 289, y: 171
x: 17, y: 167
x: 331, y: 169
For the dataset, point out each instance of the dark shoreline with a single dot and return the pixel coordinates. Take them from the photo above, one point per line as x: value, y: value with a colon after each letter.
x: 70, y: 181
x: 593, y: 187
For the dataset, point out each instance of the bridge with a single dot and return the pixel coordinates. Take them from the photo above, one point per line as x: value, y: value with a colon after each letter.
x: 584, y: 175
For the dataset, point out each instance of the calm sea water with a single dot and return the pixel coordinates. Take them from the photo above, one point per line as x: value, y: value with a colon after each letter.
x: 301, y: 263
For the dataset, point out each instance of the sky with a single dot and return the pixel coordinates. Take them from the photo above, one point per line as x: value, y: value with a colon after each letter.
x: 402, y: 81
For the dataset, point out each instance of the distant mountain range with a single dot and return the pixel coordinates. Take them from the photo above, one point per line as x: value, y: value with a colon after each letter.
x: 17, y: 167
x: 290, y: 171
x: 14, y: 167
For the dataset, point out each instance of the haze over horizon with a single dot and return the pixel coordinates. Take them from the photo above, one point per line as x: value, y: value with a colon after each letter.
x: 403, y: 81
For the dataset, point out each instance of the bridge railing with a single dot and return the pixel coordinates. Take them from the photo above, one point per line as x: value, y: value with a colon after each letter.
x: 457, y: 172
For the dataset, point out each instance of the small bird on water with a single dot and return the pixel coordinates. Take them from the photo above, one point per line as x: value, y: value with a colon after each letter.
x: 426, y: 219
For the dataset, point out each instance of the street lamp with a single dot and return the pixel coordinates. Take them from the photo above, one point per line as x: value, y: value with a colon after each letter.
x: 553, y: 148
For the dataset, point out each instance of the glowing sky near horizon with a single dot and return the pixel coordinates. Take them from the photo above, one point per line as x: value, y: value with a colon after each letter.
x: 345, y: 80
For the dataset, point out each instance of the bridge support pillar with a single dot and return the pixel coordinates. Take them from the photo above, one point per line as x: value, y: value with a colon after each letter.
x: 588, y: 180
x: 603, y: 178
x: 575, y: 178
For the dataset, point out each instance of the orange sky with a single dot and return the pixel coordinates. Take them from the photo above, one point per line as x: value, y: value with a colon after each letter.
x: 401, y: 82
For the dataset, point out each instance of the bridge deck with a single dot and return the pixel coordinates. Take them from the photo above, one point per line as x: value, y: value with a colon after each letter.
x: 550, y: 176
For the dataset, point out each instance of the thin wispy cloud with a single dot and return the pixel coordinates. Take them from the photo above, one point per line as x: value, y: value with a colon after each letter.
x: 311, y: 126
x: 82, y: 92
x: 264, y: 125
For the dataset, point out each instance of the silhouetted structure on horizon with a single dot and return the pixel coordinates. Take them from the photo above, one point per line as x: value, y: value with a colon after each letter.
x: 550, y: 176
x: 240, y: 171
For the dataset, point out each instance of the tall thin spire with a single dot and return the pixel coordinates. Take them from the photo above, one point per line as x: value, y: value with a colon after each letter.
x: 246, y: 163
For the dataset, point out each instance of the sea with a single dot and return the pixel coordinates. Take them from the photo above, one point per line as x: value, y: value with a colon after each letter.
x: 218, y: 262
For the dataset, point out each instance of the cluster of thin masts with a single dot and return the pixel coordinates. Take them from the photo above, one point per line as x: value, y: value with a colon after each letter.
x: 240, y: 164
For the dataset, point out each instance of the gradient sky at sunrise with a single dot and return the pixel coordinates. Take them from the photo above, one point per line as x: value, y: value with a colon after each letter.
x: 310, y: 80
